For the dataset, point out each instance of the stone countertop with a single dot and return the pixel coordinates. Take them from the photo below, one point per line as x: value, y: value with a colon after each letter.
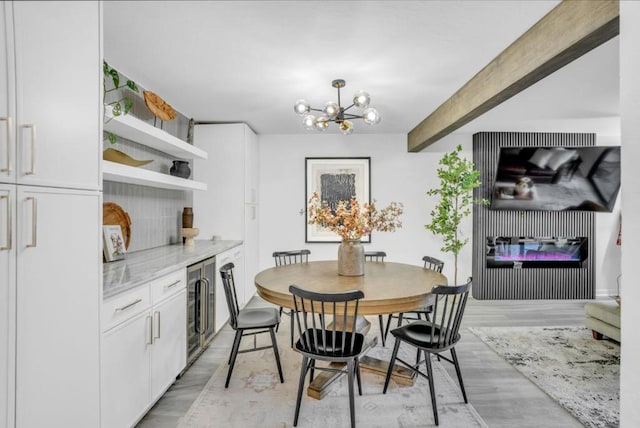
x: 142, y: 266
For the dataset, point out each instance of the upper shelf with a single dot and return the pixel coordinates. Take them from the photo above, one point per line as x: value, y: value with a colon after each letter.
x: 112, y: 171
x: 131, y: 128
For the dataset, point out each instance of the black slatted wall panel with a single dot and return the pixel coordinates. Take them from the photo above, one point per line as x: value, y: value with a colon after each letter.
x: 546, y: 283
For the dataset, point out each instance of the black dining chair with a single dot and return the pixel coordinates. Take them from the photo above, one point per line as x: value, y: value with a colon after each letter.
x: 415, y: 315
x: 377, y: 256
x: 434, y: 337
x: 248, y: 322
x: 291, y: 257
x: 335, y: 342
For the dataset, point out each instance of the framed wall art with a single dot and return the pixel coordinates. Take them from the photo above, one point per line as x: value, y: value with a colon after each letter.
x: 335, y: 179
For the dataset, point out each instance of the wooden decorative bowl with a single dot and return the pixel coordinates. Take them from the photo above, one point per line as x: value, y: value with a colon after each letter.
x: 158, y: 106
x: 114, y: 214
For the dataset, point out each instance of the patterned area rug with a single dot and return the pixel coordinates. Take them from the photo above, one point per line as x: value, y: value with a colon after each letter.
x: 581, y: 373
x: 256, y: 398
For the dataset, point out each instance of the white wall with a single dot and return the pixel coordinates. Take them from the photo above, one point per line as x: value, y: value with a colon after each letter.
x: 395, y: 176
x: 630, y: 291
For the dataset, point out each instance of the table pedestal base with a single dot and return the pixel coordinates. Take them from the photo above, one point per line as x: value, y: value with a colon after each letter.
x: 321, y: 384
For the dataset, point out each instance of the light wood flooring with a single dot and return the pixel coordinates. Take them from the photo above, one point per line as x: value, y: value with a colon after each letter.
x: 500, y: 394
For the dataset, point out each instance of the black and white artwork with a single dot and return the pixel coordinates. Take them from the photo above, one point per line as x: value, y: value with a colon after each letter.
x: 335, y: 179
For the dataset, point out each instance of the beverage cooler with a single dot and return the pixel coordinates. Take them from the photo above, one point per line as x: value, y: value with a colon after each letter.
x: 201, y: 298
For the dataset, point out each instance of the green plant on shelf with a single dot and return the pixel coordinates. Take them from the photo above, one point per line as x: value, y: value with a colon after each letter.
x: 121, y: 106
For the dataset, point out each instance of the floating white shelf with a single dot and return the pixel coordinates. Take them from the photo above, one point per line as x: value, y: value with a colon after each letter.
x: 112, y: 171
x: 134, y: 129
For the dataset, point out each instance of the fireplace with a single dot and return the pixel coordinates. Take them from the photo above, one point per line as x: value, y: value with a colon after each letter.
x: 517, y: 252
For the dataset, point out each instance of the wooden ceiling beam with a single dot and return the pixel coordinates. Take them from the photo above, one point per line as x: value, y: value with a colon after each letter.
x: 568, y: 31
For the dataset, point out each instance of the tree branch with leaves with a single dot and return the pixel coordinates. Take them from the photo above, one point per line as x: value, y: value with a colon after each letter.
x: 458, y: 178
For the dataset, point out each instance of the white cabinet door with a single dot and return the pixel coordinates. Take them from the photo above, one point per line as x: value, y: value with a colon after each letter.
x: 7, y: 113
x: 125, y: 372
x: 219, y: 211
x: 169, y: 349
x: 7, y: 302
x: 58, y: 84
x: 58, y: 307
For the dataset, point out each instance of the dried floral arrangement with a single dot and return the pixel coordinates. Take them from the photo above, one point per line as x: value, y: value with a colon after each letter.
x: 351, y: 220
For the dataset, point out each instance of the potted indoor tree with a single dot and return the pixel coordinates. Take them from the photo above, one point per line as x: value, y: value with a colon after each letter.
x: 458, y: 178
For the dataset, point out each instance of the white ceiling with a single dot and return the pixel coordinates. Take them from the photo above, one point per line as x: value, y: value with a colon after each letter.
x: 249, y: 61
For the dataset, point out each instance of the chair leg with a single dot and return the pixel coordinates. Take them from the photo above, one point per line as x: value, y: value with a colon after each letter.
x: 454, y: 356
x: 358, y: 377
x: 432, y: 389
x: 400, y: 319
x: 391, y: 363
x: 234, y: 354
x: 381, y: 322
x: 291, y: 327
x: 303, y: 373
x: 276, y: 352
x: 278, y: 326
x: 418, y: 357
x: 352, y: 410
x: 237, y: 339
x: 386, y: 330
x: 312, y: 369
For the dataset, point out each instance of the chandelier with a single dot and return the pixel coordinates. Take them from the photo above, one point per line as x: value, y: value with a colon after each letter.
x: 334, y: 112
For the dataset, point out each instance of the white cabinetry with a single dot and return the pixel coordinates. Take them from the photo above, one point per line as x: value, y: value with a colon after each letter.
x: 7, y: 302
x: 143, y: 347
x: 58, y: 274
x: 57, y: 93
x: 50, y: 133
x: 231, y: 204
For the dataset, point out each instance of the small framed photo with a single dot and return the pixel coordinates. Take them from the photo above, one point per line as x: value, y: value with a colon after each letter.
x: 113, y: 242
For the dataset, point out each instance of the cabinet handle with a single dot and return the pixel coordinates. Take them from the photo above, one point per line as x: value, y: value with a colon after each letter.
x: 173, y: 284
x: 125, y: 307
x: 157, y: 325
x: 34, y: 221
x: 8, y: 164
x: 8, y: 246
x: 32, y: 127
x: 150, y: 322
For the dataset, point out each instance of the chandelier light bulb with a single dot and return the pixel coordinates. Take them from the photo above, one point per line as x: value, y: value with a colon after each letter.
x: 346, y: 127
x: 301, y: 107
x: 331, y: 109
x: 371, y: 116
x: 361, y: 99
x: 321, y: 123
x: 309, y: 121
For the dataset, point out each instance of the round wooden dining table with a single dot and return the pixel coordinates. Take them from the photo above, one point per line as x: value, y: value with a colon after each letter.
x: 388, y: 287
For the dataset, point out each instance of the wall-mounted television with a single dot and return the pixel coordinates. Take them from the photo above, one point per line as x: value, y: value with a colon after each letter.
x: 557, y: 178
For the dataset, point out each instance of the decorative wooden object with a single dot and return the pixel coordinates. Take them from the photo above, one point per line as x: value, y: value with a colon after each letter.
x: 566, y: 33
x: 114, y: 214
x: 117, y: 156
x: 158, y: 106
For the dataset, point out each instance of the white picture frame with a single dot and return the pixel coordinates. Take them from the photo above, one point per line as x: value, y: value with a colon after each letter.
x: 113, y: 242
x: 348, y: 177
